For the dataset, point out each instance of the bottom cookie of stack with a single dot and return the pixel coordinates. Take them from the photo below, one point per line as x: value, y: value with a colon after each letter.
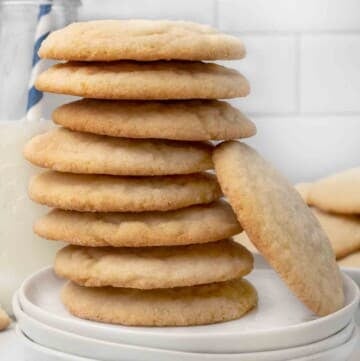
x: 184, y: 306
x: 157, y: 286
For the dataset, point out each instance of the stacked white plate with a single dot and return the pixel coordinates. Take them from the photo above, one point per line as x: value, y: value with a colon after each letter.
x: 279, y: 329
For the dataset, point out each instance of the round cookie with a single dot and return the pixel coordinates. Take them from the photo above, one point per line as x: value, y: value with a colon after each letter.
x: 185, y: 306
x: 193, y: 120
x: 281, y: 226
x: 343, y: 231
x: 352, y: 260
x: 68, y: 151
x: 148, y: 81
x: 153, y: 267
x: 338, y: 193
x: 196, y: 224
x: 104, y: 193
x: 141, y: 40
x: 4, y: 319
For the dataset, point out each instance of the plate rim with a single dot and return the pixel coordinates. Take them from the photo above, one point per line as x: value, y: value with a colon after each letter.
x: 309, y: 323
x: 347, y: 330
x: 48, y: 351
x: 302, y: 333
x: 45, y: 350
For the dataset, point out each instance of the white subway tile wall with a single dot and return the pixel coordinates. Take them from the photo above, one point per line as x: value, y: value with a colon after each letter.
x: 270, y: 67
x: 303, y: 62
x: 308, y: 147
x: 202, y: 11
x: 289, y: 15
x: 330, y: 73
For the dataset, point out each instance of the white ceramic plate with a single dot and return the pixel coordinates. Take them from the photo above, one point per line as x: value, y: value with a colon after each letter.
x: 35, y: 352
x: 354, y: 273
x: 280, y: 320
x: 107, y: 351
x: 260, y: 262
x: 341, y: 353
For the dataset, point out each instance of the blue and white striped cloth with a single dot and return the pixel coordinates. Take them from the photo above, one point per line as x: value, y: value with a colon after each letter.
x: 34, y: 105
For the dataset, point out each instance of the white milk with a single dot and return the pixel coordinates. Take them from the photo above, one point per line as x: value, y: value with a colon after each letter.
x: 21, y: 252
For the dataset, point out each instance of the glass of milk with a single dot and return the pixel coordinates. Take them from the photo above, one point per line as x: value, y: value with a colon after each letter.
x: 21, y: 252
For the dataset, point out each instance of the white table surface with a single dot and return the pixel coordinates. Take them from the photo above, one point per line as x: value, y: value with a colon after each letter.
x: 11, y: 349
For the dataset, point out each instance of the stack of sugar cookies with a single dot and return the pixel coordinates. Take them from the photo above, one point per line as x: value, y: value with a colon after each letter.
x: 335, y: 201
x: 149, y: 237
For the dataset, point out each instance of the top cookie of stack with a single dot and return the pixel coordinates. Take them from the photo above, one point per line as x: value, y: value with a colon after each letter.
x: 134, y: 152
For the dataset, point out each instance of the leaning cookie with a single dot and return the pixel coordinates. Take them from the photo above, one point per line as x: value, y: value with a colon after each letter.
x: 154, y: 267
x: 4, y: 320
x: 74, y: 152
x: 184, y: 306
x: 195, y: 224
x: 338, y: 193
x: 191, y: 120
x: 104, y: 193
x: 280, y: 225
x: 145, y: 81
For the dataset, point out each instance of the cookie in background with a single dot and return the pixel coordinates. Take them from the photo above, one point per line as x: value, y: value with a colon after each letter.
x: 338, y: 193
x: 244, y: 240
x: 335, y: 202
